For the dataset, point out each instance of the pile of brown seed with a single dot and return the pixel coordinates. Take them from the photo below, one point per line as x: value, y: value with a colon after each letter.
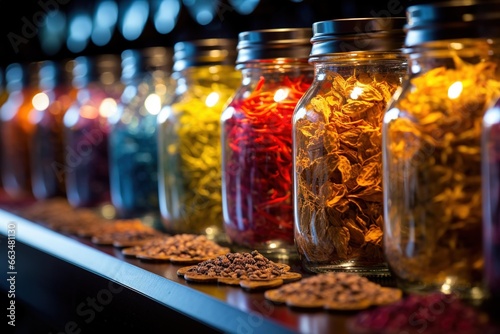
x: 242, y: 266
x: 179, y: 248
x: 335, y: 290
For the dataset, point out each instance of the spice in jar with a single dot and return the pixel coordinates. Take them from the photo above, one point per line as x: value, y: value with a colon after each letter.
x: 133, y: 139
x: 338, y: 145
x: 257, y: 139
x: 432, y: 151
x: 189, y: 137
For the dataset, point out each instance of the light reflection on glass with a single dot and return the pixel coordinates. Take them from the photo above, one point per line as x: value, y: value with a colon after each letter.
x: 80, y: 29
x: 40, y: 101
x: 203, y: 11
x: 153, y: 104
x: 105, y: 19
x: 212, y: 99
x: 280, y: 94
x: 166, y: 15
x: 455, y: 90
x: 134, y: 19
x: 244, y: 7
x: 53, y: 33
x: 108, y: 107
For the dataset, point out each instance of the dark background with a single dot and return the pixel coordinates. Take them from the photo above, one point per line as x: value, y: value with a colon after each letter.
x: 227, y: 22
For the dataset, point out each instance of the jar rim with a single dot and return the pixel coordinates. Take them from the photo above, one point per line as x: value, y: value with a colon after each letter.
x: 358, y: 34
x: 274, y: 43
x: 456, y: 19
x: 201, y: 52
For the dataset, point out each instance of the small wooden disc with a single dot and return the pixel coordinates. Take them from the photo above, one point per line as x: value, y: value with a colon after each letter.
x: 261, y: 284
x: 275, y: 295
x: 348, y: 306
x: 229, y: 280
x: 294, y: 301
x: 131, y: 251
x: 193, y: 277
x: 182, y: 271
x: 290, y: 277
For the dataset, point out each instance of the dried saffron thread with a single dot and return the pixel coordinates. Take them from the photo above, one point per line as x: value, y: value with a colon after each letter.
x: 258, y: 163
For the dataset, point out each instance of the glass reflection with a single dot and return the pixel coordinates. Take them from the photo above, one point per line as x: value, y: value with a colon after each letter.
x: 105, y: 18
x: 134, y: 19
x: 80, y: 29
x: 53, y: 32
x: 166, y: 15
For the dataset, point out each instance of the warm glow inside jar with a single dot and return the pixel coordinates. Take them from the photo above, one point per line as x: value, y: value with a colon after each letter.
x: 49, y: 106
x: 189, y: 137
x: 257, y: 179
x: 338, y: 146
x: 432, y: 149
x: 86, y: 130
x: 17, y: 130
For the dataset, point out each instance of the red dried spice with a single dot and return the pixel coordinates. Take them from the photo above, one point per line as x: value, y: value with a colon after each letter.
x: 257, y: 180
x: 435, y: 313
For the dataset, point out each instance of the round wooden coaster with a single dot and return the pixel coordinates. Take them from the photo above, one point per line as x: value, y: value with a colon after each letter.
x: 261, y: 284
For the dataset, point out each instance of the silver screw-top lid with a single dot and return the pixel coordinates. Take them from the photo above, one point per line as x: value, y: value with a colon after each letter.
x: 204, y: 52
x: 454, y: 19
x: 293, y: 43
x: 358, y: 34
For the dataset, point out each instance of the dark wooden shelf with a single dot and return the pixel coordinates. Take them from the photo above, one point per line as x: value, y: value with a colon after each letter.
x: 56, y: 273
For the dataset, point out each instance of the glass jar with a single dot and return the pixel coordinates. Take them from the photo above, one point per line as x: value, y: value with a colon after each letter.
x: 86, y: 130
x: 338, y: 147
x: 257, y: 163
x: 4, y: 94
x: 189, y: 137
x: 22, y: 85
x: 47, y: 151
x: 491, y: 201
x: 133, y: 148
x: 431, y: 139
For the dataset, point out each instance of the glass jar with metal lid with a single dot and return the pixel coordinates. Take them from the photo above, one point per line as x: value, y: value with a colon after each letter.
x: 47, y: 149
x: 189, y: 137
x: 133, y: 138
x: 257, y: 160
x: 338, y: 147
x: 86, y: 130
x: 432, y: 148
x: 22, y: 82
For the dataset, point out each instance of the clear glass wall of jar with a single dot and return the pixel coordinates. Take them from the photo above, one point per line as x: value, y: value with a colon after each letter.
x: 4, y: 94
x: 257, y: 161
x: 338, y: 147
x: 49, y: 106
x: 133, y: 148
x: 86, y: 130
x: 189, y: 137
x: 491, y: 202
x: 22, y: 84
x: 432, y: 156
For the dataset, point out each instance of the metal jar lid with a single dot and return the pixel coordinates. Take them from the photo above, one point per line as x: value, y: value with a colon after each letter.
x: 134, y: 62
x: 454, y: 19
x: 294, y: 43
x: 204, y: 52
x: 358, y: 34
x: 105, y: 68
